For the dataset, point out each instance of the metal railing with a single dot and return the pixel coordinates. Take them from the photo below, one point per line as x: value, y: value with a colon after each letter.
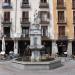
x: 25, y: 5
x: 44, y: 5
x: 6, y: 5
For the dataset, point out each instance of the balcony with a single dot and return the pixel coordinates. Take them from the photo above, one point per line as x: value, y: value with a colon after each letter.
x: 61, y: 6
x: 44, y: 5
x: 25, y: 5
x: 25, y: 22
x: 7, y: 6
x: 25, y: 36
x: 44, y: 22
x: 6, y: 23
x: 62, y: 37
x: 62, y: 22
x: 45, y: 38
x: 7, y: 35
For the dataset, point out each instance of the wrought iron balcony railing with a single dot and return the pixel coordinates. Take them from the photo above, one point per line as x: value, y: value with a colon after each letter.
x: 62, y: 37
x: 24, y: 35
x: 6, y: 5
x: 25, y: 5
x: 61, y: 6
x: 60, y: 22
x: 7, y: 35
x: 6, y: 23
x: 44, y: 22
x: 25, y: 21
x: 44, y: 5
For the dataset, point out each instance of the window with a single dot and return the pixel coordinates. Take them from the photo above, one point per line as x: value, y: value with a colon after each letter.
x: 25, y: 31
x: 7, y: 31
x: 73, y: 16
x: 44, y: 15
x: 61, y: 16
x: 6, y: 16
x: 43, y: 1
x: 25, y: 16
x: 61, y: 31
x: 25, y: 1
x: 60, y: 2
x: 44, y: 30
x: 73, y: 3
x: 7, y: 1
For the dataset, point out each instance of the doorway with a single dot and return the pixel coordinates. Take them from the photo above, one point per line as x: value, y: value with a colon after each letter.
x: 73, y: 47
x: 22, y: 48
x: 62, y: 47
x: 47, y: 47
x: 9, y: 45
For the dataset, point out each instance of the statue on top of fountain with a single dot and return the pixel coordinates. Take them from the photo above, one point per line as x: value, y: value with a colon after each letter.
x: 36, y: 19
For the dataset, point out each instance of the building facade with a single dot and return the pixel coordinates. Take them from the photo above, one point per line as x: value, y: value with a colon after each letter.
x: 63, y: 12
x: 57, y: 20
x: 16, y: 17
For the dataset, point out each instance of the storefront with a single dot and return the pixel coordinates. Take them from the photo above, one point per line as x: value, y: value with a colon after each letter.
x: 23, y: 49
x: 73, y: 47
x: 62, y: 46
x: 9, y: 46
x: 47, y: 47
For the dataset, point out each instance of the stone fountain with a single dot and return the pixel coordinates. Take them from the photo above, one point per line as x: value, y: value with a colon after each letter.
x: 36, y: 47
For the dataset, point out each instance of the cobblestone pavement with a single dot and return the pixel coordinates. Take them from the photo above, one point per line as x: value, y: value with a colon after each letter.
x: 67, y: 69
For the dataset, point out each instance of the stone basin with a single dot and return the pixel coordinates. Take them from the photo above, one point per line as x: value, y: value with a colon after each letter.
x: 47, y: 65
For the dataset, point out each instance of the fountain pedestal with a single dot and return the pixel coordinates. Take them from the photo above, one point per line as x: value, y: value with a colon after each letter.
x: 35, y: 55
x: 35, y: 42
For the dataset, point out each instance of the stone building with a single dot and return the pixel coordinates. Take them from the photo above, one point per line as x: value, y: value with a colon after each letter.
x: 57, y: 19
x: 16, y: 17
x: 64, y: 18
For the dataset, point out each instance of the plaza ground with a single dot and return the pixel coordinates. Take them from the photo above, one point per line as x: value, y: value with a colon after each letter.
x: 67, y: 69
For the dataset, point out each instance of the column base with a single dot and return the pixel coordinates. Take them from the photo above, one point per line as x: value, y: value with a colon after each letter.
x: 35, y: 55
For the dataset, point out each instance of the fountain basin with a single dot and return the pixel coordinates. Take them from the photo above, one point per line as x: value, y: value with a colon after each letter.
x: 47, y: 65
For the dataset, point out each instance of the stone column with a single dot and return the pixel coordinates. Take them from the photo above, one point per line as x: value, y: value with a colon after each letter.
x: 54, y: 48
x: 15, y: 46
x: 69, y: 50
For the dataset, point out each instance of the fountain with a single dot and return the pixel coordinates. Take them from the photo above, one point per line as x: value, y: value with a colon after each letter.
x: 36, y: 47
